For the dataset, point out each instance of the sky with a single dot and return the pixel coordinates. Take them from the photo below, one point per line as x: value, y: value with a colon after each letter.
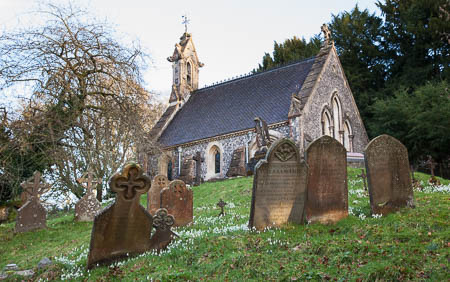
x: 230, y: 36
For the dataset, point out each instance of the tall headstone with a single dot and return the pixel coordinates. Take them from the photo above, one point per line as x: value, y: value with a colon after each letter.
x: 198, y: 168
x: 279, y: 187
x: 387, y: 166
x: 327, y: 187
x: 32, y: 215
x: 154, y: 194
x: 237, y: 165
x: 124, y: 228
x: 88, y: 206
x: 178, y: 200
x: 187, y: 173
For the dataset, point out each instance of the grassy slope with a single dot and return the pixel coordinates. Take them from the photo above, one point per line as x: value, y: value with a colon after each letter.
x: 412, y: 244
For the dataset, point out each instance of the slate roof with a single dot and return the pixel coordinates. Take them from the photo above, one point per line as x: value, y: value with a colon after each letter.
x: 162, y: 120
x: 231, y: 106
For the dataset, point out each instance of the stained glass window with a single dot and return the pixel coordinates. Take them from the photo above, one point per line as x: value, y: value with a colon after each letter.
x: 169, y: 171
x: 217, y: 162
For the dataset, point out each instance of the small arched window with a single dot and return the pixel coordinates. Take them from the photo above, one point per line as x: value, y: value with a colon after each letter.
x: 347, y: 136
x: 326, y: 123
x: 169, y: 171
x: 337, y: 118
x: 217, y: 162
x: 189, y: 73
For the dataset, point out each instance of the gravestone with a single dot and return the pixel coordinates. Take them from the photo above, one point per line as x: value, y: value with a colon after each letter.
x: 88, y: 206
x: 124, y: 228
x: 187, y: 173
x: 32, y: 215
x: 198, y: 168
x: 237, y: 165
x: 387, y: 166
x: 364, y: 177
x: 279, y: 187
x: 154, y: 194
x: 221, y: 204
x: 327, y: 186
x: 178, y: 200
x: 27, y: 192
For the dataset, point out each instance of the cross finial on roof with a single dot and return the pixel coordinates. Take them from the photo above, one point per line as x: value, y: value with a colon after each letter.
x: 185, y: 22
x: 326, y: 34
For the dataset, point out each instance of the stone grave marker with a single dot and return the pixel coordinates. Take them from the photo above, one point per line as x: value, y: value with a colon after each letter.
x: 88, y: 206
x: 387, y: 166
x: 279, y: 187
x: 198, y: 168
x: 221, y: 204
x: 124, y: 228
x: 154, y: 194
x: 327, y: 186
x: 178, y: 200
x: 237, y: 165
x: 364, y: 177
x: 187, y: 173
x: 32, y: 215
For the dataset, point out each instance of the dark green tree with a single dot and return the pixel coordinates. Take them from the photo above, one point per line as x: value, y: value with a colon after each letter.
x: 357, y: 35
x: 290, y: 50
x: 416, y: 38
x: 421, y: 120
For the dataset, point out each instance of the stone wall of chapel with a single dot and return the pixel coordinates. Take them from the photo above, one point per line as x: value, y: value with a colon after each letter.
x: 227, y: 144
x: 331, y: 81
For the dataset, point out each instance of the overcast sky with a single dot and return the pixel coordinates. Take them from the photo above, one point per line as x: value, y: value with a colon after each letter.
x: 230, y: 36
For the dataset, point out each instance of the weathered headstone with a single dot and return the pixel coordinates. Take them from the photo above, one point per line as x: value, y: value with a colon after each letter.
x: 221, y: 204
x: 237, y: 165
x: 178, y: 200
x: 279, y: 187
x: 154, y: 194
x: 187, y: 173
x: 88, y: 206
x: 198, y: 168
x: 124, y: 228
x: 28, y: 190
x: 387, y: 166
x: 32, y: 215
x: 327, y: 186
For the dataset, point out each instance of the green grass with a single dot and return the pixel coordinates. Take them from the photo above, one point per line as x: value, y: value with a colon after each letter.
x: 412, y: 244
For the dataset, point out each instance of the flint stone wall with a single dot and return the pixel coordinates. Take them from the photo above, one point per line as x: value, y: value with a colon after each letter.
x: 332, y: 81
x: 227, y: 144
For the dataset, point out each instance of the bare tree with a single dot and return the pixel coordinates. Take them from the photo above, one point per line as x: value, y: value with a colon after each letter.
x: 87, y: 106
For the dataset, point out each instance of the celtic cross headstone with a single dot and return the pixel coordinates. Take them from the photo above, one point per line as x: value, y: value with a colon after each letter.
x: 32, y: 215
x: 124, y: 228
x: 88, y: 206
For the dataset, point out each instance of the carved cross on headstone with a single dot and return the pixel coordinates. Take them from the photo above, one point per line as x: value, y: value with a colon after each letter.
x: 90, y: 180
x: 33, y: 189
x: 221, y: 204
x: 198, y: 168
x: 363, y: 176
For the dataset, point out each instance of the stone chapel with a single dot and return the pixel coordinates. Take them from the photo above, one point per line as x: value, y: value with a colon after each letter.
x: 205, y: 131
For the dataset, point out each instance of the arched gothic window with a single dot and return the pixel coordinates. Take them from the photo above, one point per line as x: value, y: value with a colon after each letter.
x: 347, y: 136
x: 169, y: 171
x: 337, y: 118
x: 214, y: 160
x: 189, y: 73
x: 217, y: 162
x: 326, y: 123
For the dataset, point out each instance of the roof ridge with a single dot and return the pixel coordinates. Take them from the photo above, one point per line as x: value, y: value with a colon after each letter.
x: 251, y: 74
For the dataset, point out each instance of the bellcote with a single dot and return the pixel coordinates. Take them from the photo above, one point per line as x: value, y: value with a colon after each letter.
x: 185, y: 65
